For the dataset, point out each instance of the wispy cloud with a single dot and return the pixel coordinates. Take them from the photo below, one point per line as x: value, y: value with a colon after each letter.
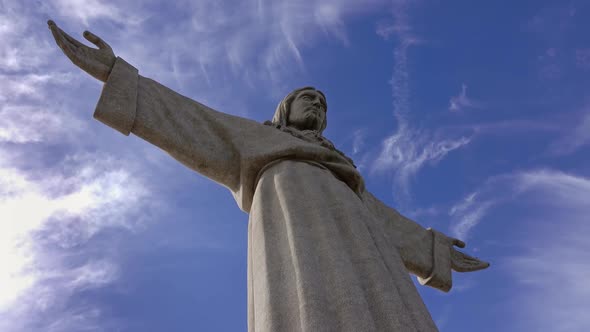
x: 259, y: 44
x: 548, y: 260
x: 468, y: 213
x: 562, y: 189
x: 518, y: 186
x: 21, y: 47
x: 472, y: 209
x: 29, y: 85
x: 26, y: 114
x: 358, y: 140
x: 461, y: 101
x: 574, y: 139
x: 24, y: 124
x: 87, y: 10
x: 45, y: 218
x: 550, y: 269
x: 407, y: 150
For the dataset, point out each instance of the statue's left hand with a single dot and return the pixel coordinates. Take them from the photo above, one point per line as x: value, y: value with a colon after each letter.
x: 462, y: 262
x: 97, y: 62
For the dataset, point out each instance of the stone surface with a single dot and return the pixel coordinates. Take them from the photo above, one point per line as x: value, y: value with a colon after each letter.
x: 323, y: 253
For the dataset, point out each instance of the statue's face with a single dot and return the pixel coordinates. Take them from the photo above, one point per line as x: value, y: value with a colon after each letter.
x: 308, y: 111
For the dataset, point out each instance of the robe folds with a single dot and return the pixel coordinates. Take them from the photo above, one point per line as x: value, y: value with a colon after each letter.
x: 323, y: 253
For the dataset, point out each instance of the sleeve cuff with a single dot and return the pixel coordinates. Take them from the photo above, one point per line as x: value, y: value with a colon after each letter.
x: 441, y: 275
x: 117, y: 105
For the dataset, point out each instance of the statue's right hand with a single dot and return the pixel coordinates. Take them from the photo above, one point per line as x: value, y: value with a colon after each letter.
x: 96, y: 62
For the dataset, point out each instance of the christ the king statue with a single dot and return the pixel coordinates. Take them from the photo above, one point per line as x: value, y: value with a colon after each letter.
x: 323, y: 253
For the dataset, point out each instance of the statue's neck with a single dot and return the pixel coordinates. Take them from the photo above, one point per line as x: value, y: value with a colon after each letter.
x: 312, y: 136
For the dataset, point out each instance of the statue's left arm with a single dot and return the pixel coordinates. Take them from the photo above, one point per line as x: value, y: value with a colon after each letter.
x: 427, y: 253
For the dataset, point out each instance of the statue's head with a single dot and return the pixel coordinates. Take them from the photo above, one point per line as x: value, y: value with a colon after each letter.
x: 304, y: 109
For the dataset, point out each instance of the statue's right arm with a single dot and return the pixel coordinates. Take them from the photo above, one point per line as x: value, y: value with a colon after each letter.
x: 209, y: 142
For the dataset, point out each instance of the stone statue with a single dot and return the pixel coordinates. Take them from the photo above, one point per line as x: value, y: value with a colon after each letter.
x: 323, y: 253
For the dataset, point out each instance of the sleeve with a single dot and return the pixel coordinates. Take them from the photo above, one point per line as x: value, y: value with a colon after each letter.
x: 201, y: 138
x: 425, y: 252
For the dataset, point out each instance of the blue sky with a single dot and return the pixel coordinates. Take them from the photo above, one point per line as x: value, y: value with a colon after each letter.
x: 469, y: 117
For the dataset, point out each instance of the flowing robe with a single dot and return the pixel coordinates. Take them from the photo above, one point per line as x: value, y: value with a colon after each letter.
x: 323, y: 253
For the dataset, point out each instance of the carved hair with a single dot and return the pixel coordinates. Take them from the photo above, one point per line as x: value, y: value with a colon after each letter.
x: 282, y: 113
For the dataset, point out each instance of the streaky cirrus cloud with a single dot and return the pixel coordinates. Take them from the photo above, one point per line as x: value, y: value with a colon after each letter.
x: 518, y: 186
x: 87, y: 10
x: 256, y: 45
x: 409, y: 148
x: 548, y: 262
x: 551, y: 267
x: 256, y: 42
x: 468, y: 213
x: 462, y: 101
x: 407, y: 151
x: 575, y: 138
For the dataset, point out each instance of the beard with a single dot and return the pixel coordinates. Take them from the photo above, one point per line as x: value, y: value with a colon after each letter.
x: 310, y: 121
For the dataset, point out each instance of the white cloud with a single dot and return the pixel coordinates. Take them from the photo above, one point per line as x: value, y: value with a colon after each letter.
x: 565, y: 189
x: 260, y: 45
x: 571, y: 191
x: 29, y: 85
x: 78, y: 319
x: 468, y: 213
x: 552, y: 294
x: 552, y: 270
x: 26, y: 114
x: 24, y: 124
x: 406, y: 151
x: 88, y: 10
x: 358, y: 140
x: 400, y: 27
x: 21, y: 47
x: 461, y: 101
x: 93, y: 274
x: 575, y: 138
x: 42, y: 218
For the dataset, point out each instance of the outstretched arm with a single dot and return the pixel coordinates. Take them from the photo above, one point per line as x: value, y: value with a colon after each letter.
x: 212, y: 143
x: 427, y: 253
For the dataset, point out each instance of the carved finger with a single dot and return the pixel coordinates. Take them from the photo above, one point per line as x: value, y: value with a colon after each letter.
x: 73, y: 41
x: 66, y: 46
x: 462, y: 262
x: 96, y: 40
x: 471, y: 266
x: 458, y: 243
x: 55, y: 31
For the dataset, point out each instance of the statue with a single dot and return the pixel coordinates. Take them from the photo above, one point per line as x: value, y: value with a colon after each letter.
x: 323, y: 253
